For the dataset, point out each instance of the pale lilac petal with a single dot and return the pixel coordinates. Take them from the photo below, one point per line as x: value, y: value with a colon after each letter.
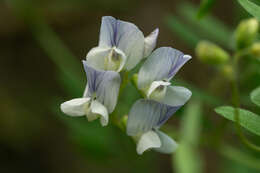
x: 104, y: 85
x: 124, y: 36
x: 162, y: 64
x: 168, y: 144
x: 176, y: 96
x: 146, y: 115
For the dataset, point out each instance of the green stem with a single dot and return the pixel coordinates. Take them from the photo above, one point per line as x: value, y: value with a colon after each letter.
x: 236, y: 103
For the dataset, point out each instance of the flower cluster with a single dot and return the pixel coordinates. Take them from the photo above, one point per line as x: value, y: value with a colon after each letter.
x: 121, y: 47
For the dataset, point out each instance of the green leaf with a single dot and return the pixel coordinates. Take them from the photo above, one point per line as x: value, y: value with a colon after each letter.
x: 247, y: 119
x: 205, y: 7
x: 255, y: 96
x: 251, y: 8
x: 187, y: 158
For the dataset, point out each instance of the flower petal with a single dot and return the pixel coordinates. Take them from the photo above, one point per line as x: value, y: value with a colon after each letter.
x: 168, y: 144
x: 146, y: 115
x: 112, y: 59
x: 162, y: 64
x: 96, y: 57
x: 75, y: 107
x: 147, y: 141
x: 124, y: 36
x: 150, y: 42
x: 176, y: 96
x: 98, y: 108
x: 105, y: 84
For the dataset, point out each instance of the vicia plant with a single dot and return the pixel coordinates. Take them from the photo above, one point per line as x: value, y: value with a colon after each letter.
x: 121, y: 47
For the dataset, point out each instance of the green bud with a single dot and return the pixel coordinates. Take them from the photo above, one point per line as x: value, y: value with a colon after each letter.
x: 210, y: 53
x: 255, y: 50
x: 246, y: 33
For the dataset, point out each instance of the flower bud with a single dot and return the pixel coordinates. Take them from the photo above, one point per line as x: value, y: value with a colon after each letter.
x: 255, y: 50
x: 246, y: 33
x: 210, y: 53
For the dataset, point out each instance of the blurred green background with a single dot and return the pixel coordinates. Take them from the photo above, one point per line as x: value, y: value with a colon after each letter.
x: 41, y: 48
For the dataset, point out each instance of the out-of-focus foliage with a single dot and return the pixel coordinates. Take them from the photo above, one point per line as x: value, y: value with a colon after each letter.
x: 192, y: 30
x: 190, y: 137
x: 237, y: 158
x: 205, y: 7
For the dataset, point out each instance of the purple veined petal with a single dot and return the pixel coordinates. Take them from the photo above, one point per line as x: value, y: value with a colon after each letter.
x: 179, y: 63
x: 104, y: 85
x: 146, y: 115
x: 162, y: 64
x: 124, y: 36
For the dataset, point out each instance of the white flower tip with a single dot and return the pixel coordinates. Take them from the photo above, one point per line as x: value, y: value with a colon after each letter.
x: 187, y: 57
x: 147, y: 141
x: 74, y: 107
x: 99, y: 109
x: 150, y: 42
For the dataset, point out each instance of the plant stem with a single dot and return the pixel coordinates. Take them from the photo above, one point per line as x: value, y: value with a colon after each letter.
x: 236, y: 104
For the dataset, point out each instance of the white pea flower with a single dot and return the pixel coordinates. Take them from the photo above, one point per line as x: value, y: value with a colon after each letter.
x: 100, y: 96
x: 144, y: 120
x: 121, y: 46
x: 157, y: 71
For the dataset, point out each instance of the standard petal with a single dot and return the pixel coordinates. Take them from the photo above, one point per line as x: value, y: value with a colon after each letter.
x: 75, y: 107
x: 146, y: 115
x: 124, y: 36
x: 168, y: 144
x: 147, y: 141
x: 98, y: 108
x: 108, y: 31
x: 150, y: 42
x: 162, y: 64
x: 96, y: 57
x: 104, y: 85
x: 176, y: 96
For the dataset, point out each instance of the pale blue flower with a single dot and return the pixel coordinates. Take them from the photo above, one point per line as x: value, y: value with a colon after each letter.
x: 100, y: 96
x: 144, y: 120
x: 157, y: 71
x: 121, y: 46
